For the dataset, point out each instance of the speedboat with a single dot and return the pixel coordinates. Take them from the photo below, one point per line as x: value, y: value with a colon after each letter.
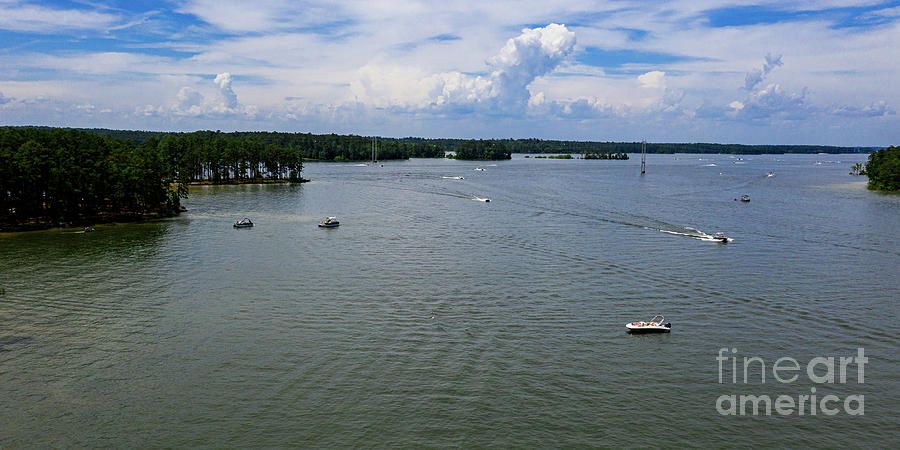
x: 480, y: 169
x: 721, y: 237
x: 654, y: 325
x: 745, y: 198
x: 329, y: 222
x: 243, y: 223
x: 770, y: 175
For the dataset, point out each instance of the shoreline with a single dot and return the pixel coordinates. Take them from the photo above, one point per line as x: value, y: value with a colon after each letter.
x: 246, y: 181
x: 38, y: 225
x: 85, y: 222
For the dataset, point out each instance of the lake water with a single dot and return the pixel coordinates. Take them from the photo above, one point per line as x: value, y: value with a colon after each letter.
x: 432, y: 319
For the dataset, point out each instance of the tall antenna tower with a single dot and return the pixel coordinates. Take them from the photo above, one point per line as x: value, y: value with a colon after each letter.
x: 643, y: 156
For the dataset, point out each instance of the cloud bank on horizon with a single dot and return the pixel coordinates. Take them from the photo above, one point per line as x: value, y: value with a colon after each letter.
x: 792, y: 72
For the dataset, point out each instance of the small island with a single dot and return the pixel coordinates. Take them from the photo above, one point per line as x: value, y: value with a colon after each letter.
x: 883, y: 169
x: 482, y: 150
x: 607, y: 155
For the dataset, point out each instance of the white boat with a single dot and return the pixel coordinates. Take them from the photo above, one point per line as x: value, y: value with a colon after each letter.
x: 486, y: 200
x: 453, y: 178
x: 243, y: 223
x: 745, y: 198
x: 329, y: 222
x: 654, y: 325
x: 770, y: 175
x: 480, y: 169
x: 721, y: 237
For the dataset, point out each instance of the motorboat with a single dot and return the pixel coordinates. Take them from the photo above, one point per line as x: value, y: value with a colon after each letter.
x: 654, y: 325
x: 486, y: 200
x: 480, y: 169
x: 329, y: 222
x: 243, y: 223
x: 745, y: 198
x: 721, y: 237
x: 770, y: 175
x: 88, y: 229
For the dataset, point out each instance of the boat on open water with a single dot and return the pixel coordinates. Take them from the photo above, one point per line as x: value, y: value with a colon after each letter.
x: 243, y: 223
x: 654, y: 325
x: 330, y: 222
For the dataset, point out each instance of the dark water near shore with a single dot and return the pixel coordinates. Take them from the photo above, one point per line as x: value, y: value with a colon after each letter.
x: 431, y: 319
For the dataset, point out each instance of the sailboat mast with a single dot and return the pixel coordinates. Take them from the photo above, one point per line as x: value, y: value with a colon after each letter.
x: 643, y: 156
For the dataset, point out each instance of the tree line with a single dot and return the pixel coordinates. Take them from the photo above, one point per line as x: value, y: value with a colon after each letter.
x: 198, y: 157
x: 317, y: 147
x: 327, y: 147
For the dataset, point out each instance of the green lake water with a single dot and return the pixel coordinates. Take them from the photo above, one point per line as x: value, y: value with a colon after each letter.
x: 432, y: 319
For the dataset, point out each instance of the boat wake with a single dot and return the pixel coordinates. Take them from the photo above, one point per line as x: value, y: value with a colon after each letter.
x: 694, y: 234
x: 453, y: 178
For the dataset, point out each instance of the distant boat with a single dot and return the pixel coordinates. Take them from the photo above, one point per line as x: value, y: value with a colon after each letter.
x: 480, y: 169
x: 771, y: 174
x: 486, y: 200
x: 721, y: 237
x: 745, y: 198
x: 654, y: 325
x: 453, y: 178
x: 88, y: 229
x: 243, y: 223
x: 329, y: 222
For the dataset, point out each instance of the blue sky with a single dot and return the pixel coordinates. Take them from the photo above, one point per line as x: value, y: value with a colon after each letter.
x: 755, y: 72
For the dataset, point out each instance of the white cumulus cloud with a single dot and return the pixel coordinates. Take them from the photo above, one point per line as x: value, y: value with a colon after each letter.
x: 229, y: 98
x: 653, y: 80
x: 534, y: 53
x: 754, y: 77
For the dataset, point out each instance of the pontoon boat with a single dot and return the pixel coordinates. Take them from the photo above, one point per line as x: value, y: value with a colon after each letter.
x: 329, y: 222
x: 654, y: 325
x: 243, y: 223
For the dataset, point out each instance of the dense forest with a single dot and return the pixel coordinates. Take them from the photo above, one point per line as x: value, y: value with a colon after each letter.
x: 328, y: 147
x: 199, y: 157
x: 483, y: 150
x: 883, y: 169
x: 317, y: 147
x: 53, y: 176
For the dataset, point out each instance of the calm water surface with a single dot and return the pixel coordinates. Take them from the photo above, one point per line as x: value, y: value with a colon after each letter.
x: 431, y: 319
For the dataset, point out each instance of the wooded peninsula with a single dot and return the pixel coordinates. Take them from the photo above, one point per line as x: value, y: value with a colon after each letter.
x: 53, y: 176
